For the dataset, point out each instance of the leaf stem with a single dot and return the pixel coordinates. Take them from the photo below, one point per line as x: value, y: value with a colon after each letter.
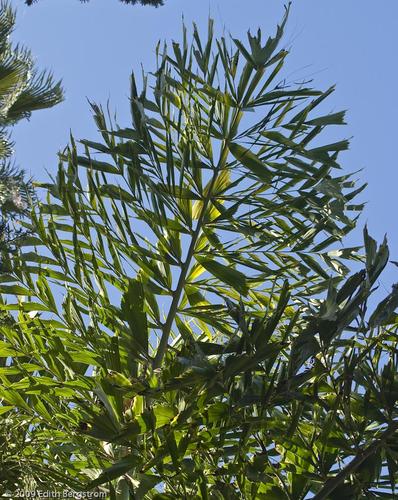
x: 164, y: 340
x: 332, y: 483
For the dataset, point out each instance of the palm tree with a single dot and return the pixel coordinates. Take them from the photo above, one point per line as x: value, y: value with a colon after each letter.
x: 22, y: 90
x: 185, y: 320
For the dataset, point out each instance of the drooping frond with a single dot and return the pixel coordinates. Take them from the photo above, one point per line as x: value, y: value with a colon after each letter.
x: 23, y: 89
x: 7, y: 22
x: 41, y: 92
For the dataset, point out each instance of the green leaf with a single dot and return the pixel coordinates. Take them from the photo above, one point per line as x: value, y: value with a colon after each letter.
x: 163, y: 415
x: 97, y: 165
x: 385, y: 309
x: 118, y: 469
x: 332, y: 119
x: 133, y: 304
x: 250, y: 161
x: 15, y: 290
x: 226, y: 274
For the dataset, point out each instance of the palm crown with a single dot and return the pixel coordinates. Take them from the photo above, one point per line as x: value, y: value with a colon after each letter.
x: 22, y: 90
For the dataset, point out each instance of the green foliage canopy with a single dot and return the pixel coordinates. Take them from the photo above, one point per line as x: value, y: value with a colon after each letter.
x: 208, y: 342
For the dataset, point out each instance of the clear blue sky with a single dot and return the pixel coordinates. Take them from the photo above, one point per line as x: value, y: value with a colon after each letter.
x: 352, y: 43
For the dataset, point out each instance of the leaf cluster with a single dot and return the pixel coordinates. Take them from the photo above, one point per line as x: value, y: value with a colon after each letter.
x: 23, y: 90
x: 182, y: 323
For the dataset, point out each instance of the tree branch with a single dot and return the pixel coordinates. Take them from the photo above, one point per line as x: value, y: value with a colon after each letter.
x: 164, y: 340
